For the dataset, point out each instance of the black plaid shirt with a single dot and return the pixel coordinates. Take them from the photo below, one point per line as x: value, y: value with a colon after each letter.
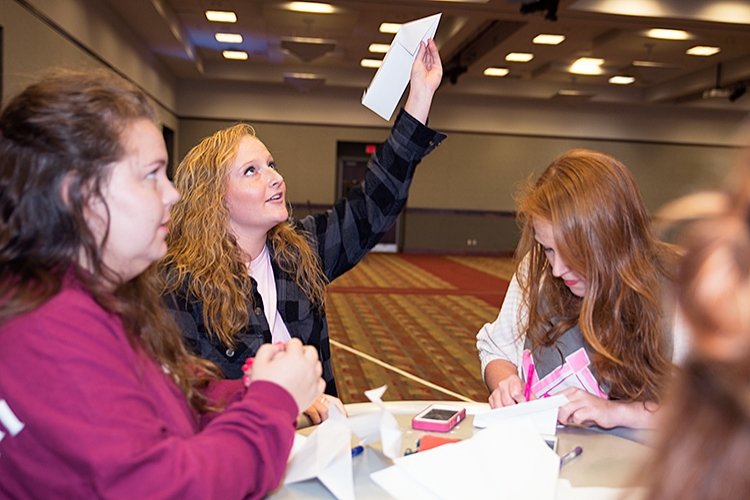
x: 343, y: 236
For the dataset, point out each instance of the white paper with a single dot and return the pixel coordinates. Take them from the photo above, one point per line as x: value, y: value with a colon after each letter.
x: 327, y: 455
x: 507, y: 460
x: 542, y: 413
x: 566, y: 491
x: 400, y: 485
x: 389, y: 82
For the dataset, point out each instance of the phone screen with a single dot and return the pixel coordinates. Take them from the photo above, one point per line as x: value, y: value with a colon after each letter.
x: 439, y: 414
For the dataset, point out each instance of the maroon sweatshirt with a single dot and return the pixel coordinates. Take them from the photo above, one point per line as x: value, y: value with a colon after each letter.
x: 83, y: 415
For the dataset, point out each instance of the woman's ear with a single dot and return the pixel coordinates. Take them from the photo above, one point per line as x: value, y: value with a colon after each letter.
x: 65, y: 187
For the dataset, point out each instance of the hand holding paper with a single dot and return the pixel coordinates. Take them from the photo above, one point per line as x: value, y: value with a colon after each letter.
x: 394, y: 73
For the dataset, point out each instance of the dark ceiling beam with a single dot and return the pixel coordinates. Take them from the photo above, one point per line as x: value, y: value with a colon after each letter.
x: 488, y: 36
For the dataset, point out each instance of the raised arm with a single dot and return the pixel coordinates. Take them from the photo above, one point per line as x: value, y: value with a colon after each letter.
x: 426, y: 74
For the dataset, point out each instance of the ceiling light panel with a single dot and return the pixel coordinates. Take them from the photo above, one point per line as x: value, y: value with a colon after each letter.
x: 587, y: 66
x: 236, y: 55
x: 702, y: 50
x: 311, y: 7
x: 621, y: 80
x: 221, y: 16
x: 519, y: 57
x: 379, y: 48
x: 370, y: 63
x: 496, y: 71
x: 545, y: 39
x: 228, y: 37
x: 667, y: 34
x: 389, y: 28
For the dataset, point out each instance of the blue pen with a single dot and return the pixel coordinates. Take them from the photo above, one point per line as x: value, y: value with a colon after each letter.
x: 357, y: 450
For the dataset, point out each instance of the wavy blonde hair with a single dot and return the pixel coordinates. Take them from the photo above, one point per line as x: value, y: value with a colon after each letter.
x: 603, y: 232
x: 203, y: 252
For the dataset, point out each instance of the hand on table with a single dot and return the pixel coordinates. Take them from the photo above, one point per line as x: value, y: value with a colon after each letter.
x: 509, y: 391
x: 318, y: 411
x: 583, y: 408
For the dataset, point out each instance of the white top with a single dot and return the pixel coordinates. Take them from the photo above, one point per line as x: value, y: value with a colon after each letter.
x: 502, y: 339
x: 260, y: 269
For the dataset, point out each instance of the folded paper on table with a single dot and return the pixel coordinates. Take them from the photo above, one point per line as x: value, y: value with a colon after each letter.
x: 326, y: 453
x: 389, y: 82
x: 508, y: 460
x: 542, y: 413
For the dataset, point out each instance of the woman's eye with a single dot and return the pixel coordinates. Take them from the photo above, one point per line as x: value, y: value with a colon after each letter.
x: 547, y: 250
x: 272, y: 166
x: 250, y: 171
x: 152, y: 174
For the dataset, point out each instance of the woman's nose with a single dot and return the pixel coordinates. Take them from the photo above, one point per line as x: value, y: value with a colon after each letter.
x: 559, y: 267
x: 275, y: 178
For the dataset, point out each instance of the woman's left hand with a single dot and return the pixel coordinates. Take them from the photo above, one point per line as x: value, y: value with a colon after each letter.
x: 318, y: 411
x: 584, y: 408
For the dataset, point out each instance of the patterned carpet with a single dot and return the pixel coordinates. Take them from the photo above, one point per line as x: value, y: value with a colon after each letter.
x: 418, y: 313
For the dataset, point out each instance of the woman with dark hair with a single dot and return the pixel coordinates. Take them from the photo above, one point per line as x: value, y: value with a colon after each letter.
x: 704, y: 444
x: 585, y: 314
x: 98, y: 396
x: 240, y: 272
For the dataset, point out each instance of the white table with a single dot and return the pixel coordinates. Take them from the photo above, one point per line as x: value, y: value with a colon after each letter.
x: 606, y: 460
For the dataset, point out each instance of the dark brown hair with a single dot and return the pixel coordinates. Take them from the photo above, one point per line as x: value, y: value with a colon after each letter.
x: 603, y: 232
x: 59, y: 138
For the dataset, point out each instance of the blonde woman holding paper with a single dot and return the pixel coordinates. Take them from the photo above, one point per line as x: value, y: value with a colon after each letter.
x: 240, y: 272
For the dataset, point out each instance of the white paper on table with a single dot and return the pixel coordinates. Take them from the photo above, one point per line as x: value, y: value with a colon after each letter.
x: 507, y: 460
x: 389, y: 82
x: 566, y: 491
x: 400, y: 485
x: 327, y: 455
x: 387, y: 431
x: 542, y: 413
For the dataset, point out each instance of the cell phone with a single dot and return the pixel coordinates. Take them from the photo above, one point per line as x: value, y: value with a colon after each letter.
x: 438, y: 417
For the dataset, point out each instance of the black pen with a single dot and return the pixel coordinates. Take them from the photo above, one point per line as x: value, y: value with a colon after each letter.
x: 570, y: 455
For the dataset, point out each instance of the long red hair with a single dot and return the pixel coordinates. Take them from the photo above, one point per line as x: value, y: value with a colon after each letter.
x: 603, y: 232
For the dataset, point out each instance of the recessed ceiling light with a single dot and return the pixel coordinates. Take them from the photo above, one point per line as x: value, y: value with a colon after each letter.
x: 228, y: 37
x: 519, y: 57
x: 496, y: 71
x: 370, y: 63
x: 667, y: 34
x: 379, y: 48
x: 621, y: 80
x: 237, y: 55
x: 311, y: 7
x: 221, y: 16
x: 587, y: 66
x: 702, y: 50
x: 389, y: 27
x: 543, y: 39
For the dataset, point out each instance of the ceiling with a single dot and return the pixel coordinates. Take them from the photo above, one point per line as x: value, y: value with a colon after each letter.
x: 471, y: 37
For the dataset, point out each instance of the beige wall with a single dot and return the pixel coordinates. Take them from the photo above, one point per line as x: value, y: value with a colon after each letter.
x: 494, y: 143
x: 32, y: 46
